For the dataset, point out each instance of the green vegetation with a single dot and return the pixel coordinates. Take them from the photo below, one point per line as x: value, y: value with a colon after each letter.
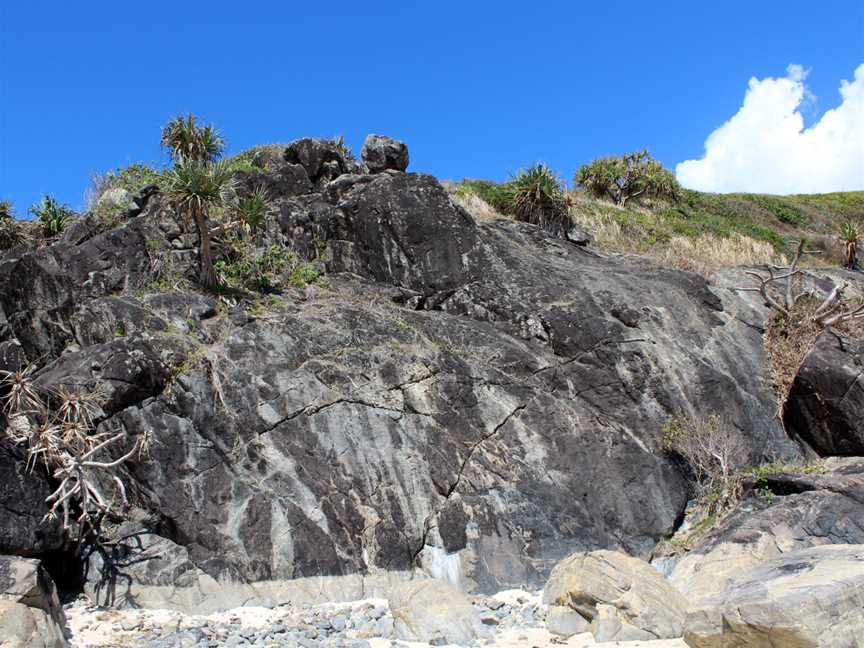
x: 252, y: 209
x: 12, y: 231
x: 534, y: 195
x: 538, y: 197
x: 197, y: 184
x: 52, y: 215
x: 633, y: 176
x: 850, y: 236
x: 698, y: 231
x: 111, y: 194
x: 187, y: 141
x: 267, y: 270
x: 195, y: 188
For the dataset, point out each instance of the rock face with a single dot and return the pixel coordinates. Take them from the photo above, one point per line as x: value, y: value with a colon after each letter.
x: 23, y: 529
x: 475, y: 401
x: 806, y: 598
x: 826, y: 403
x: 624, y: 598
x: 433, y: 611
x: 785, y: 512
x: 381, y: 153
x: 30, y: 612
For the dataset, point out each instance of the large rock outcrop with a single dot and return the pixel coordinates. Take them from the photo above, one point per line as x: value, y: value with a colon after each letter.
x: 622, y: 597
x: 476, y: 401
x: 784, y: 512
x: 803, y: 599
x: 432, y: 611
x: 825, y: 406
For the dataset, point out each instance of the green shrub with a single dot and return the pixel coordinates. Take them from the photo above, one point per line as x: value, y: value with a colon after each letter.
x: 538, y: 197
x: 7, y: 209
x: 303, y: 275
x: 781, y: 209
x: 252, y: 209
x: 714, y: 452
x: 129, y: 180
x: 259, y: 272
x: 498, y: 195
x: 53, y: 216
x: 633, y: 176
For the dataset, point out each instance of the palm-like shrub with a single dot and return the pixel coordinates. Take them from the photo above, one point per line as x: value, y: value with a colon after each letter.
x: 537, y: 196
x: 196, y: 188
x: 850, y: 236
x: 187, y: 141
x: 252, y: 209
x: 627, y: 177
x: 52, y: 216
x: 7, y: 210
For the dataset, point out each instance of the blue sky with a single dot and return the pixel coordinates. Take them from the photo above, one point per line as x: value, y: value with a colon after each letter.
x: 476, y: 89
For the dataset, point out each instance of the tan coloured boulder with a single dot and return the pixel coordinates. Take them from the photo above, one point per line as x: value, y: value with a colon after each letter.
x: 432, y: 610
x: 30, y: 612
x: 641, y: 604
x: 810, y: 598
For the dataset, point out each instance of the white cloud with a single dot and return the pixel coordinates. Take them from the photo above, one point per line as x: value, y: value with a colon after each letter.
x: 765, y: 148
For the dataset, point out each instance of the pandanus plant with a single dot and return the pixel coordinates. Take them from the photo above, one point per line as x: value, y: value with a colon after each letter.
x: 197, y: 183
x: 196, y: 188
x: 850, y: 236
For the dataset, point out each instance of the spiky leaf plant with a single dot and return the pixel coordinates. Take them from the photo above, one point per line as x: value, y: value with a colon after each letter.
x: 538, y: 197
x: 627, y: 177
x: 850, y: 236
x: 52, y: 215
x: 252, y: 209
x: 187, y: 141
x: 7, y: 210
x: 196, y: 188
x: 12, y: 231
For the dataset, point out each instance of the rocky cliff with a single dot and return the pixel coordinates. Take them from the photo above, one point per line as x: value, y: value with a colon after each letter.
x: 474, y: 400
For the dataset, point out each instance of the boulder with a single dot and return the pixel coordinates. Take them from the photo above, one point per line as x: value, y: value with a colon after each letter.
x: 564, y: 621
x: 825, y: 406
x: 23, y: 528
x: 432, y: 610
x: 381, y: 153
x: 30, y: 611
x: 323, y: 159
x: 623, y: 598
x: 783, y: 512
x: 806, y: 598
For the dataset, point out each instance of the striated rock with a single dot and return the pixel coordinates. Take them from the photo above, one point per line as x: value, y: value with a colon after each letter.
x: 381, y: 153
x: 473, y: 401
x: 786, y: 512
x: 432, y: 611
x: 23, y: 529
x: 825, y: 406
x: 624, y: 598
x: 30, y: 612
x: 806, y: 598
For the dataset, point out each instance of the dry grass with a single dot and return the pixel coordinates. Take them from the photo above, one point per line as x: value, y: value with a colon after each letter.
x: 471, y: 202
x: 788, y: 339
x: 708, y: 252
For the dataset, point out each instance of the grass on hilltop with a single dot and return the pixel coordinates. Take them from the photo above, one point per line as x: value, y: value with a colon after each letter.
x: 700, y: 231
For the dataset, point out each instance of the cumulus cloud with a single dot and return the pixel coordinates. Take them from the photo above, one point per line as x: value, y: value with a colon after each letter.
x: 765, y: 148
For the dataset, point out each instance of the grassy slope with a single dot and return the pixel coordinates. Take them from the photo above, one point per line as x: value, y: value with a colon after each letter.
x: 778, y: 221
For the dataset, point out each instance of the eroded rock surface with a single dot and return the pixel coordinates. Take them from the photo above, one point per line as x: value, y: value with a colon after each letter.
x: 785, y: 512
x: 475, y: 401
x: 802, y: 599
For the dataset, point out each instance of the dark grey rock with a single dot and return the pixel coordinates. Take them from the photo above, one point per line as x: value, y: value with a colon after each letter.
x: 381, y: 153
x: 456, y: 376
x: 825, y: 406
